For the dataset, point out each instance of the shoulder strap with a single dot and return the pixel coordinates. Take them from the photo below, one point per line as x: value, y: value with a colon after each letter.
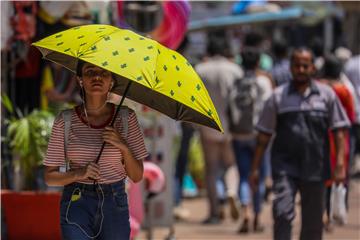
x: 124, y: 115
x: 66, y: 114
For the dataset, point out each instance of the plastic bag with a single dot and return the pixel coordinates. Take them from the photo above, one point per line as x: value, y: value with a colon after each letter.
x: 338, y: 205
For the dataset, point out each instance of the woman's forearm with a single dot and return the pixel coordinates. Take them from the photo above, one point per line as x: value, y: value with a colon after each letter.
x: 55, y: 178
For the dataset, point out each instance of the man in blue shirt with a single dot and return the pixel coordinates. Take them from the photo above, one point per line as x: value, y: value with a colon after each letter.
x: 280, y: 71
x: 300, y: 113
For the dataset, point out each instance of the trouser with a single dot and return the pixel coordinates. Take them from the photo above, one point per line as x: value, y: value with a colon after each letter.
x: 327, y: 200
x: 312, y: 195
x: 182, y: 159
x: 267, y: 162
x: 86, y: 215
x: 356, y: 133
x: 244, y: 152
x: 216, y: 154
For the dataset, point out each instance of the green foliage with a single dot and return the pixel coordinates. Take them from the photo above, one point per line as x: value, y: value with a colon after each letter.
x: 27, y: 136
x: 7, y: 103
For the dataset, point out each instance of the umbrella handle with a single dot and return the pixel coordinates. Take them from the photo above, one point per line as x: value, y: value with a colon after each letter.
x: 113, y: 120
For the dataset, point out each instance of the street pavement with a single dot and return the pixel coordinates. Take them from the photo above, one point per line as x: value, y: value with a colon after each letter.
x: 227, y: 230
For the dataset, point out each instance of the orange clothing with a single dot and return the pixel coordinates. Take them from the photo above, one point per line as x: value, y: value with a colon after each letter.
x: 346, y: 100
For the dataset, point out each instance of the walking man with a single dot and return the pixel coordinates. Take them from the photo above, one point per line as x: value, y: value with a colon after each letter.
x: 300, y: 113
x: 218, y: 74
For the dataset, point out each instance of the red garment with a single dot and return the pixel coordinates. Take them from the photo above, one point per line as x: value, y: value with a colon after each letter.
x: 346, y: 100
x: 24, y: 26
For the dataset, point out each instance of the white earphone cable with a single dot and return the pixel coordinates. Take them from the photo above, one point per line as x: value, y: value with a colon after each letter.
x: 101, y: 211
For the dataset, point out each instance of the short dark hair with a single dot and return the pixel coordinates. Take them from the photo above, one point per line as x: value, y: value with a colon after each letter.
x: 332, y: 67
x: 250, y: 58
x: 317, y: 46
x: 280, y: 48
x: 216, y: 46
x: 253, y: 39
x: 302, y: 49
x: 216, y: 42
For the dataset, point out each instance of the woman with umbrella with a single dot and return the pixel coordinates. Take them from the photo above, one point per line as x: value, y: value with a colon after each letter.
x: 160, y: 78
x: 95, y: 210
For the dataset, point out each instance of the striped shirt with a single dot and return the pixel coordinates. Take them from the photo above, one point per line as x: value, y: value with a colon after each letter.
x: 84, y: 144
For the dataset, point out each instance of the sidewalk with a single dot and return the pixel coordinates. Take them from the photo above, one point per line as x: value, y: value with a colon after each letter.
x: 193, y: 229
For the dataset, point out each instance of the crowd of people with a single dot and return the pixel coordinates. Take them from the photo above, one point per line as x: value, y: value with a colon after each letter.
x: 291, y: 120
x: 291, y: 124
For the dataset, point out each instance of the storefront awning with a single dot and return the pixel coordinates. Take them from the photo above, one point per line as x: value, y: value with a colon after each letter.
x: 235, y: 20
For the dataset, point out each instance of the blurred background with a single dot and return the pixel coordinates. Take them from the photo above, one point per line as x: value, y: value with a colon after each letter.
x: 34, y: 91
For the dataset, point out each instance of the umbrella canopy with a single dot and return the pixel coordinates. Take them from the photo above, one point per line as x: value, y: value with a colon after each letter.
x: 160, y: 77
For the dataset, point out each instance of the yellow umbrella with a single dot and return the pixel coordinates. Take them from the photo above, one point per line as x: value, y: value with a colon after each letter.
x: 160, y: 77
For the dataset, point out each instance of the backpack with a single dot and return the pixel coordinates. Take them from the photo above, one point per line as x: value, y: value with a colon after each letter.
x: 66, y: 114
x: 242, y: 100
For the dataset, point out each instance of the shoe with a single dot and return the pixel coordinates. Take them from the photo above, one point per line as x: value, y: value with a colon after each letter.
x: 222, y: 213
x: 267, y: 194
x: 328, y: 227
x: 234, y: 210
x: 327, y: 224
x: 258, y: 228
x: 181, y: 213
x: 212, y: 220
x: 244, y: 227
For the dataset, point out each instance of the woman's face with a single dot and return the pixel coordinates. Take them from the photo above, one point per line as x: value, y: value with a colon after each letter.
x: 95, y: 80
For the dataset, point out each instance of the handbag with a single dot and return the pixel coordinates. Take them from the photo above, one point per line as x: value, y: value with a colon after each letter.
x: 337, y: 203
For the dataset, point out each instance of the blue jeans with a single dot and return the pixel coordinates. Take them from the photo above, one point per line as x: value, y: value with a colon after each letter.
x: 86, y: 211
x: 244, y: 152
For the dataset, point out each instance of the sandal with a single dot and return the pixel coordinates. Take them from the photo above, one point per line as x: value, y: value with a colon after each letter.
x: 244, y: 227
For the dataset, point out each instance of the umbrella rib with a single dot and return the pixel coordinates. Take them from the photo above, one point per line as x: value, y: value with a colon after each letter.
x: 98, y: 40
x: 148, y: 82
x: 155, y: 62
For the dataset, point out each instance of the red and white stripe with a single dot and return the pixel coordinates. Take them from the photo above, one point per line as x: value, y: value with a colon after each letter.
x: 84, y: 145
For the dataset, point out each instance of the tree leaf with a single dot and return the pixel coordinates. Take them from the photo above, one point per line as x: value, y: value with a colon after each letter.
x: 28, y: 137
x: 7, y: 103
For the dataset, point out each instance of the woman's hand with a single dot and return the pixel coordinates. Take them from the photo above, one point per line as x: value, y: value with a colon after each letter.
x: 134, y: 168
x: 91, y: 171
x: 110, y: 135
